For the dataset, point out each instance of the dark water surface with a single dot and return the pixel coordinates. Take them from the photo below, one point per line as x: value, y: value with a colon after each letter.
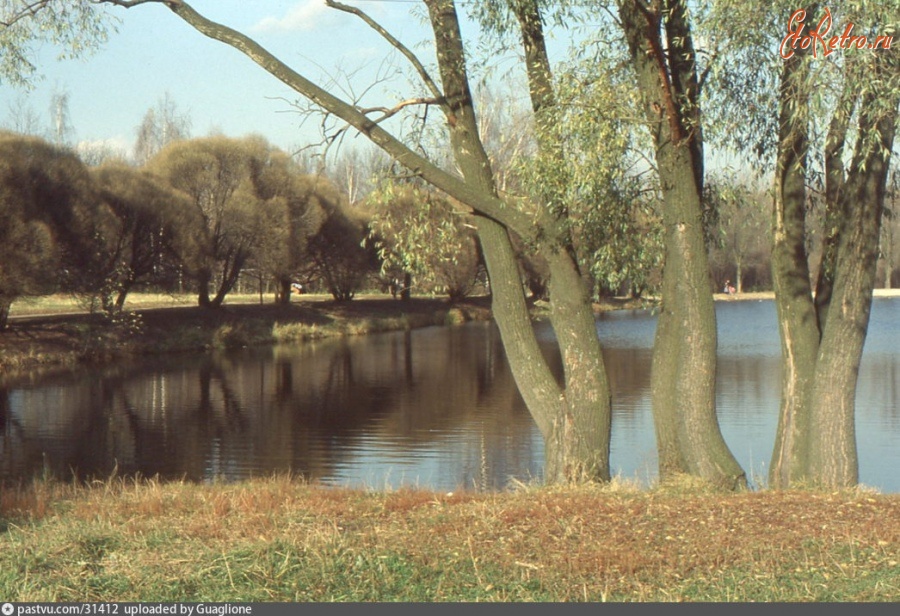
x: 434, y: 408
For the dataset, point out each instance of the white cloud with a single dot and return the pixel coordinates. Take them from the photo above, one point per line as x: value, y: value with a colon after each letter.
x: 94, y: 151
x: 304, y: 16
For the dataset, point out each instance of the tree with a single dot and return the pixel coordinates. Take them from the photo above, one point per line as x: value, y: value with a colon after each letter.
x: 835, y: 120
x: 22, y: 118
x: 420, y: 233
x: 76, y: 27
x: 890, y: 233
x: 741, y: 244
x: 160, y: 126
x: 683, y: 376
x: 339, y: 254
x: 51, y: 231
x: 61, y: 128
x: 220, y: 175
x: 153, y: 232
x: 284, y: 250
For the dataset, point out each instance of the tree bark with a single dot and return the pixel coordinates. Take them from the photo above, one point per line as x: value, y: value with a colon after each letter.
x: 794, y: 302
x: 683, y: 372
x: 574, y: 420
x: 587, y: 425
x: 833, y: 459
x: 823, y: 334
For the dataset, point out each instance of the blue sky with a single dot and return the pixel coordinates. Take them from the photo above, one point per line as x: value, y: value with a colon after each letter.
x: 154, y: 53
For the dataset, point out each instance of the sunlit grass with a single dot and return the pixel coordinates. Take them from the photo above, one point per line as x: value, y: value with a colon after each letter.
x: 76, y: 337
x: 282, y: 539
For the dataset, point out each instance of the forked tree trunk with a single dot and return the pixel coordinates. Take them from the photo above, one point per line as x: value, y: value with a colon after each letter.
x: 574, y: 419
x: 833, y: 459
x: 823, y: 334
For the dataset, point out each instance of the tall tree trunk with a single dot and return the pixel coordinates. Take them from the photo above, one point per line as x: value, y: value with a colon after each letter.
x: 683, y: 373
x: 823, y: 334
x: 586, y: 427
x: 795, y: 306
x: 574, y: 420
x: 833, y: 459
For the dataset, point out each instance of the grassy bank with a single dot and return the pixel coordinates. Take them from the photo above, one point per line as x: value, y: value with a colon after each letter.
x: 55, y: 333
x: 280, y: 539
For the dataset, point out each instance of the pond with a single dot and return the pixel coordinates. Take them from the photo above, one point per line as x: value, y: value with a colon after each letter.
x: 434, y: 408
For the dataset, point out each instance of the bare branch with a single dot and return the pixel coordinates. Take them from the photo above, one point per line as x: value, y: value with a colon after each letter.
x: 130, y: 3
x: 414, y: 60
x: 386, y: 113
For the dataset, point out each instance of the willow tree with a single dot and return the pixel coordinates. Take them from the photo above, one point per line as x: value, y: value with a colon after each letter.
x: 665, y: 61
x: 285, y: 233
x: 822, y: 120
x: 222, y: 178
x: 51, y: 231
x: 152, y: 230
x: 419, y: 233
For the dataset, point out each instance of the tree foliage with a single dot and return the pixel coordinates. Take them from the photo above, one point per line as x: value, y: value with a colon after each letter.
x: 51, y: 236
x: 152, y: 231
x: 222, y: 176
x: 419, y: 232
x: 340, y: 254
x: 76, y: 27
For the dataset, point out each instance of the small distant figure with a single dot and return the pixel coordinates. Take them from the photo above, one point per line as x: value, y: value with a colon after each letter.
x: 298, y: 288
x: 394, y: 287
x: 729, y: 288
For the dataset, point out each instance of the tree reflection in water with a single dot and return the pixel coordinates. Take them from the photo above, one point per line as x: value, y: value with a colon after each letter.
x: 435, y: 407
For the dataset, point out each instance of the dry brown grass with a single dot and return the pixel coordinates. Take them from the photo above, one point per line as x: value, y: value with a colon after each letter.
x: 286, y: 540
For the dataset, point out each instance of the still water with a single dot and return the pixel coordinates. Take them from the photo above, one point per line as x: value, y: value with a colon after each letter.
x: 434, y: 408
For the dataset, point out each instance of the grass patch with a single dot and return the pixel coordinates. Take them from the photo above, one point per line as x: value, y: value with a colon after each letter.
x: 281, y: 539
x: 63, y: 339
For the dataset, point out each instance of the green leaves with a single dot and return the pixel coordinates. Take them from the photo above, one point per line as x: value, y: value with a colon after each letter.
x: 419, y: 232
x: 77, y: 27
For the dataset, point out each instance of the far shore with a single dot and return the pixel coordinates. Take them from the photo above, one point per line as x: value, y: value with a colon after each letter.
x: 48, y: 335
x: 760, y: 295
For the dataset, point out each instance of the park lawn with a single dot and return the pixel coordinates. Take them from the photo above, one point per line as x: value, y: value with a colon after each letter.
x: 282, y: 539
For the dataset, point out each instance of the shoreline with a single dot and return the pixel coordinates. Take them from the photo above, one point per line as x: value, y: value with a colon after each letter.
x: 761, y: 295
x: 39, y: 344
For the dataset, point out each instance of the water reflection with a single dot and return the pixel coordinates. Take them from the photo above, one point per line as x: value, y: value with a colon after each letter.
x: 434, y: 407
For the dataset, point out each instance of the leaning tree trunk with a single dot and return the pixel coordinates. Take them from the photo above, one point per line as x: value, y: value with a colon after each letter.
x: 574, y: 420
x: 583, y: 431
x: 494, y: 218
x: 683, y: 371
x: 231, y: 271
